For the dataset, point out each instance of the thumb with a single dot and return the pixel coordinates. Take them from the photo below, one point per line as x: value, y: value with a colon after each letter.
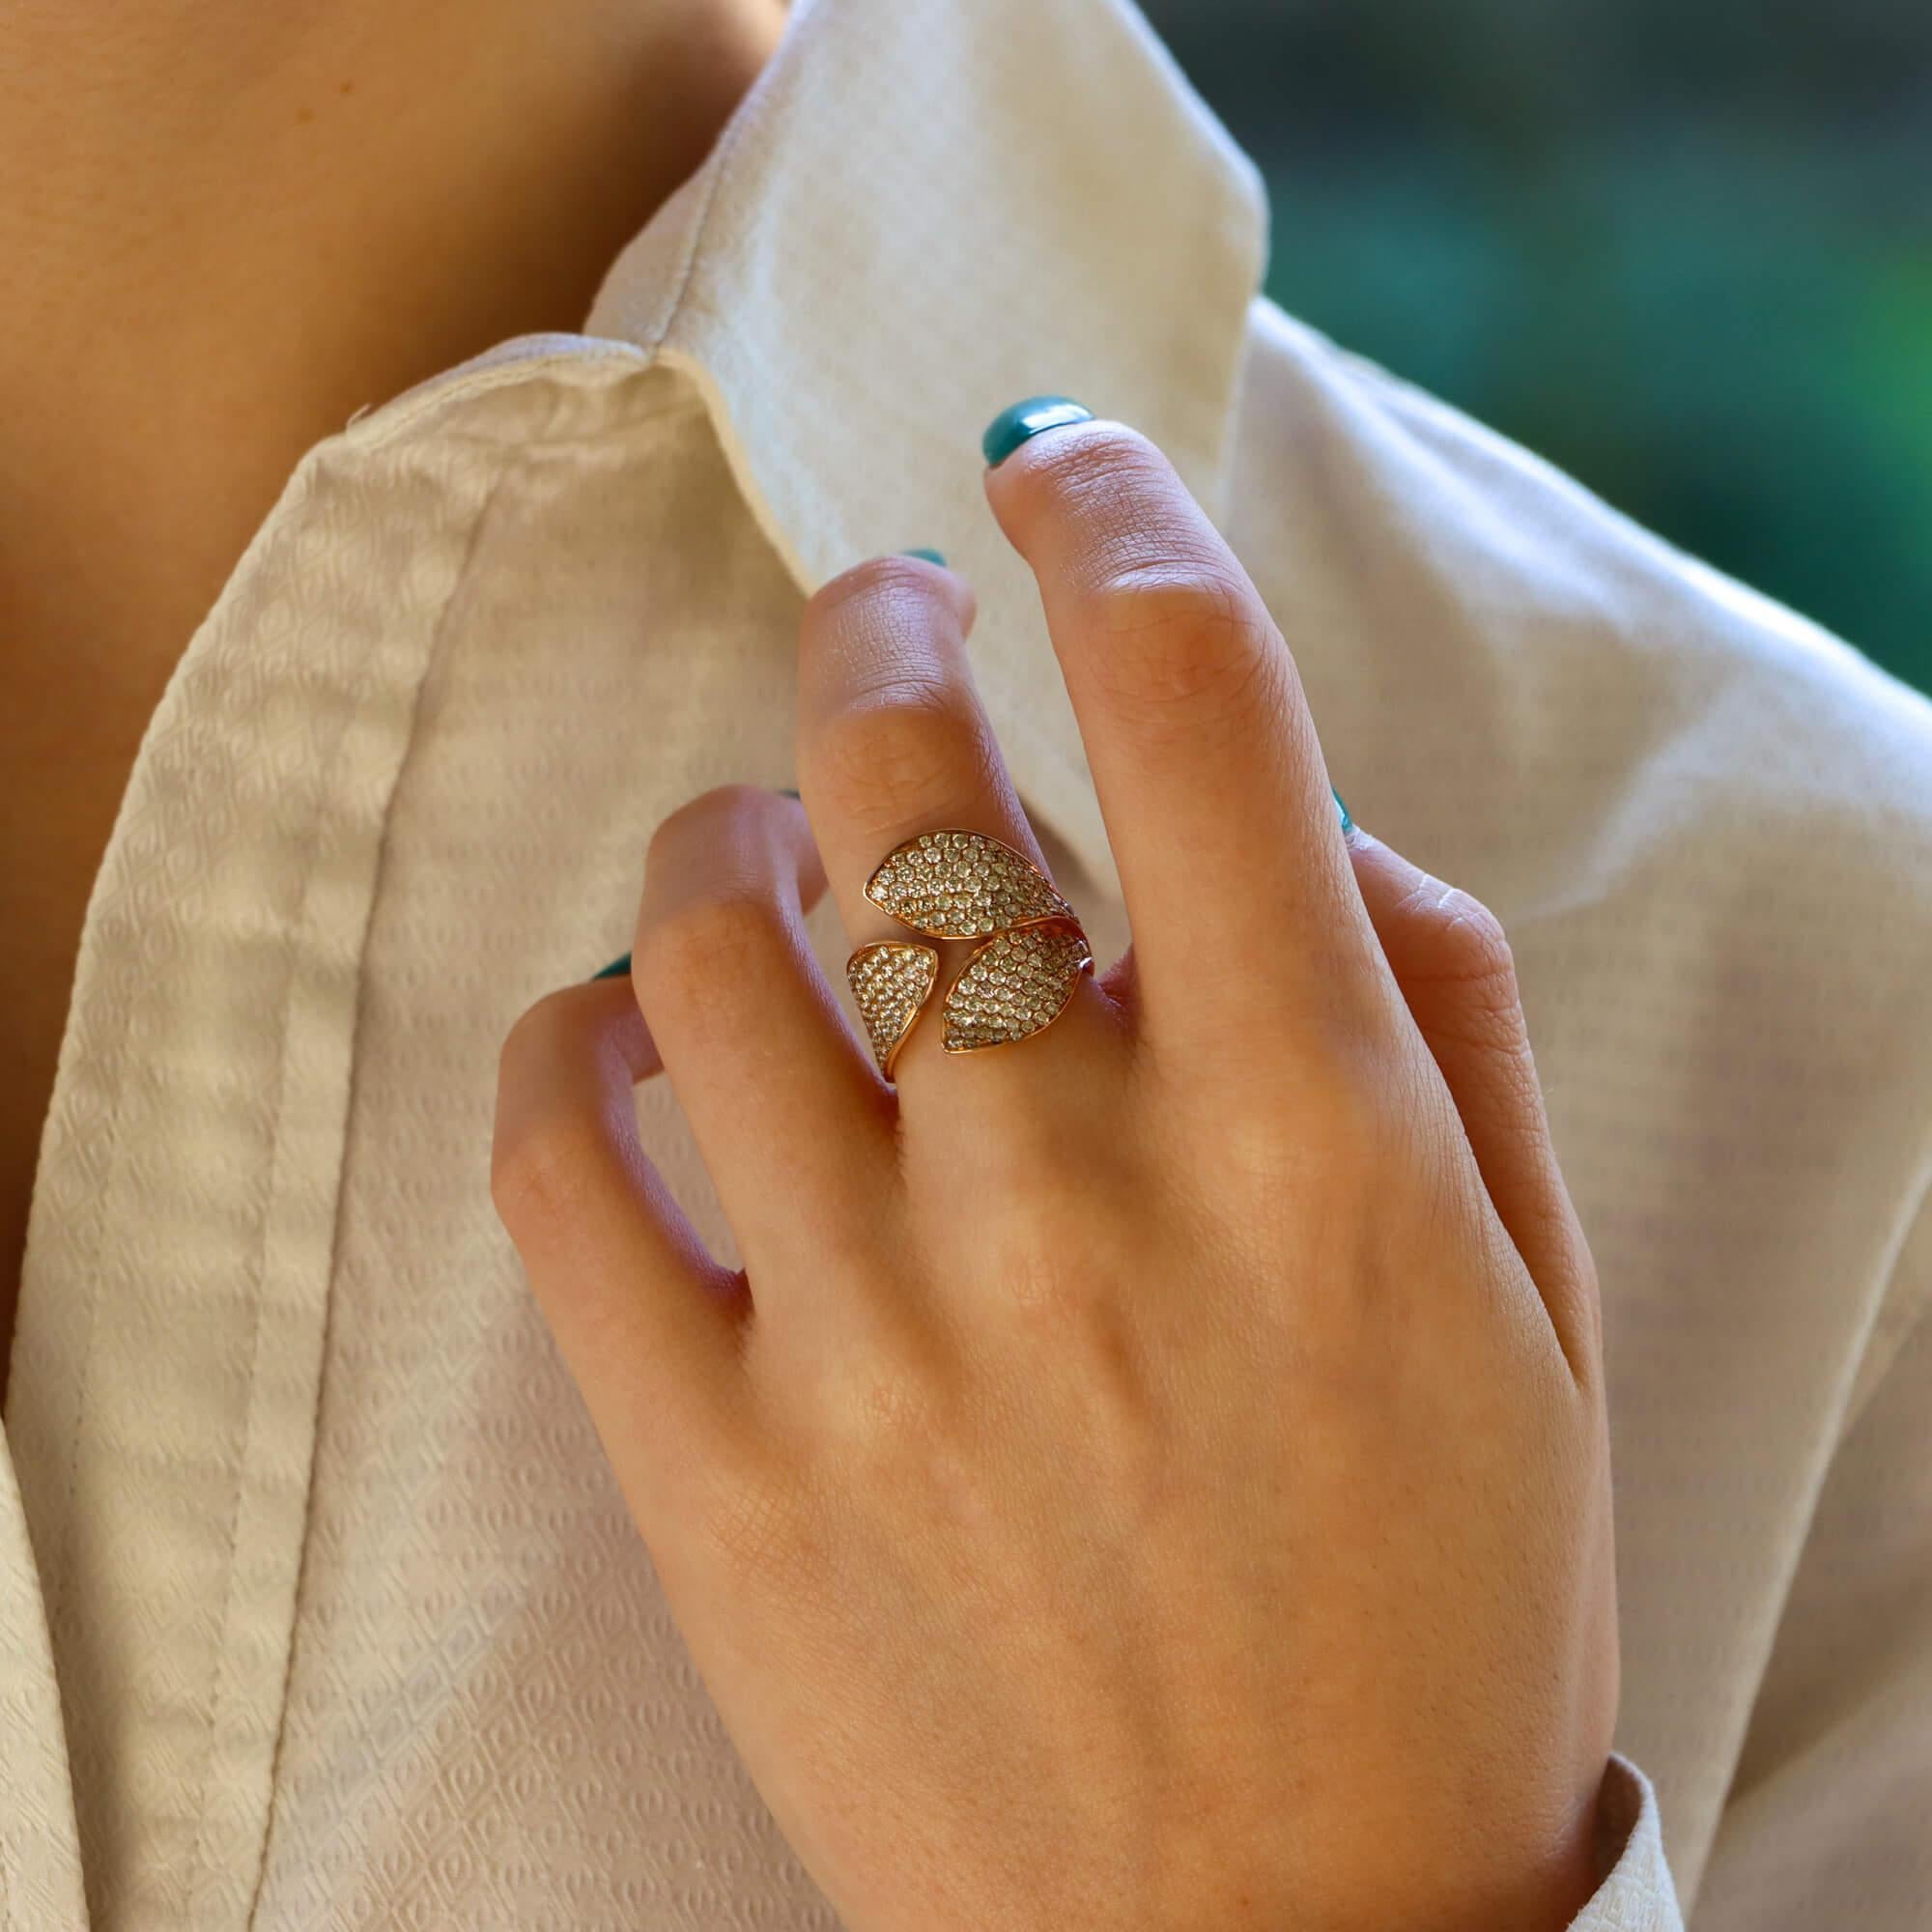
x: 1452, y: 960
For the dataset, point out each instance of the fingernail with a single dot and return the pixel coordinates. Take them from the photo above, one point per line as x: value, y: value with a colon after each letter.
x: 786, y: 791
x: 1013, y: 425
x: 937, y: 556
x: 616, y: 967
x: 1347, y: 823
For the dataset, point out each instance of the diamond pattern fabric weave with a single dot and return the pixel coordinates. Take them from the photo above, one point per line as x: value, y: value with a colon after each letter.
x: 320, y: 1611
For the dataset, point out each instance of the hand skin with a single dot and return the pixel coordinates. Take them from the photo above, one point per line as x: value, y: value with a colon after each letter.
x: 1153, y: 1475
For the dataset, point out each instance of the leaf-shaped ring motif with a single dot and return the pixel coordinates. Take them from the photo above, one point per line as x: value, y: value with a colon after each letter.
x: 892, y: 980
x: 1016, y: 985
x: 954, y: 883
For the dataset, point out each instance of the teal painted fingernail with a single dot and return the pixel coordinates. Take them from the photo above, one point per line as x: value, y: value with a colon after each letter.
x: 1347, y: 823
x: 615, y: 968
x: 1012, y: 426
x: 937, y: 556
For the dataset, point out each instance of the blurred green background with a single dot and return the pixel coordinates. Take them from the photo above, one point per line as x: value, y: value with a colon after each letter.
x: 1682, y: 250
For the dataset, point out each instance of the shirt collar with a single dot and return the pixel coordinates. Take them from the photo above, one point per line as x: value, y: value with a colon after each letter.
x: 920, y: 213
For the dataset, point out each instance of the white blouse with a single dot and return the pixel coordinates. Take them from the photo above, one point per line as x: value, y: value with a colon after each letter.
x: 319, y: 1606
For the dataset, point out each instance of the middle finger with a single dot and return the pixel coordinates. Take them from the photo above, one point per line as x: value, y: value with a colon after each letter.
x: 1204, y: 756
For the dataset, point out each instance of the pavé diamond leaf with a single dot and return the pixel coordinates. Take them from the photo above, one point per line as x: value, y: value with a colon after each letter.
x: 891, y: 980
x: 1014, y: 984
x: 962, y: 885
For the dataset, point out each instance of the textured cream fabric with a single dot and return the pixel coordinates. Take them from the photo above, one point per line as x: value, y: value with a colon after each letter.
x: 318, y: 1603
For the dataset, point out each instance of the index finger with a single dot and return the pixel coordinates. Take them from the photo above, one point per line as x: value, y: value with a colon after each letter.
x: 1206, y: 761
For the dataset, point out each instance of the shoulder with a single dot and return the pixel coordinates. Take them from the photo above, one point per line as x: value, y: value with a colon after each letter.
x: 1435, y: 577
x: 1705, y: 821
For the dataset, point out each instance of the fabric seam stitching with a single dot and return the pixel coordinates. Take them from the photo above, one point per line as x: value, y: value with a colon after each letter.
x: 216, y: 1696
x: 514, y: 461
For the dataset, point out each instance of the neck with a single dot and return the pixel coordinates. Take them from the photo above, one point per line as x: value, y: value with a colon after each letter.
x: 227, y: 227
x: 361, y: 191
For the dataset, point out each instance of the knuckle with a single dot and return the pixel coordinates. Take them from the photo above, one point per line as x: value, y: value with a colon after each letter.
x: 1172, y: 621
x: 709, y: 818
x: 1468, y: 945
x: 711, y: 939
x: 1056, y: 1263
x: 1063, y: 1290
x: 535, y: 1033
x: 886, y: 1392
x: 903, y: 749
x: 1309, y: 1136
x: 879, y: 1408
x: 541, y: 1174
x: 1354, y: 1118
x: 1184, y: 638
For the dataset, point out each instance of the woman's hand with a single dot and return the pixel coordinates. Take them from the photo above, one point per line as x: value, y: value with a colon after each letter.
x: 1152, y: 1473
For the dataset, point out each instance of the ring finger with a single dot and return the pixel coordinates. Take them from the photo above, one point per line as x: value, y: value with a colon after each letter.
x: 893, y: 743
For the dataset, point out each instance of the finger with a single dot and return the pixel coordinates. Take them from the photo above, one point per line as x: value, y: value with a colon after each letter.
x: 894, y: 742
x: 792, y: 1123
x: 1453, y: 962
x: 645, y: 1318
x: 1203, y: 754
